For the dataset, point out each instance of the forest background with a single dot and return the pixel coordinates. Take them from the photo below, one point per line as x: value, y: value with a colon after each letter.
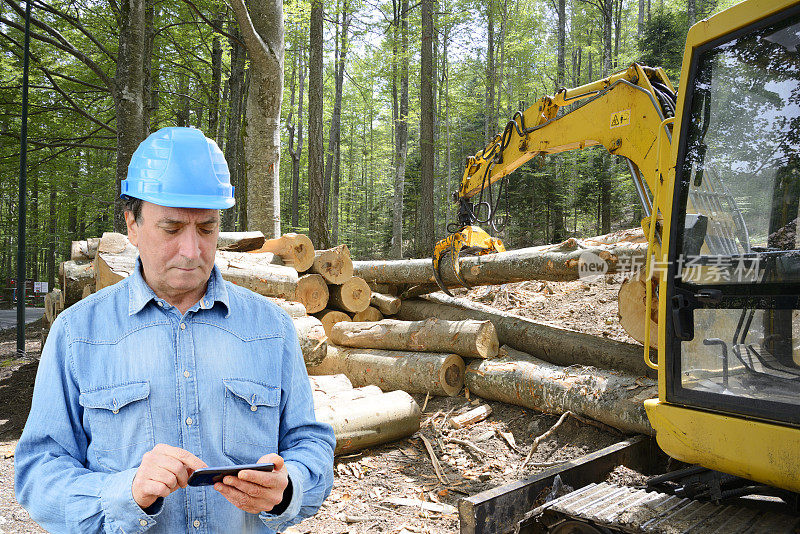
x: 383, y: 100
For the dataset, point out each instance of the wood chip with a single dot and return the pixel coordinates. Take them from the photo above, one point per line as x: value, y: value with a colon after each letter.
x: 508, y: 437
x: 417, y: 503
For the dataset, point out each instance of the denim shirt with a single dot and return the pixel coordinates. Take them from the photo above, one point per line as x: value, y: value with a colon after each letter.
x: 122, y: 370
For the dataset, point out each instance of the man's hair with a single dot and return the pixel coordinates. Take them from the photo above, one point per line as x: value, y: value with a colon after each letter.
x: 133, y: 205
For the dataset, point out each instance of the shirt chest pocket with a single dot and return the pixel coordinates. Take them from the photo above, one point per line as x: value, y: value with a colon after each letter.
x: 250, y: 419
x: 120, y: 424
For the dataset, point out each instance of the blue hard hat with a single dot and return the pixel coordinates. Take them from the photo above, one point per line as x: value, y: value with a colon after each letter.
x: 180, y: 168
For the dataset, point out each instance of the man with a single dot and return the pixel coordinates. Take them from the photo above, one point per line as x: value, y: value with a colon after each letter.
x: 168, y: 371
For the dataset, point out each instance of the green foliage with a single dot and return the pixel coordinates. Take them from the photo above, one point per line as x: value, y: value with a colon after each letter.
x: 662, y: 40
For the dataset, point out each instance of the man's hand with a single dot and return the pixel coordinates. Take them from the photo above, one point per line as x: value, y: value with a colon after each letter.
x: 256, y: 491
x: 163, y: 470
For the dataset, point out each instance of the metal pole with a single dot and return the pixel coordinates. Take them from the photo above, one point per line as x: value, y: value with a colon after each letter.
x: 23, y: 189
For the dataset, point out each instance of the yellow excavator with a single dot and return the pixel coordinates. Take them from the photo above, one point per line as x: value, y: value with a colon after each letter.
x: 717, y: 168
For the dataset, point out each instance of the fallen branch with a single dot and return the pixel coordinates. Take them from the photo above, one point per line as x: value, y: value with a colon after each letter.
x: 434, y: 460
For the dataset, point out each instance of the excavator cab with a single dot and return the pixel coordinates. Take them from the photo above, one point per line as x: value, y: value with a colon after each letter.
x: 729, y: 394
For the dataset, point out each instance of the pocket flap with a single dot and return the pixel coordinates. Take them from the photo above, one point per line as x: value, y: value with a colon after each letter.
x: 253, y: 393
x: 115, y: 397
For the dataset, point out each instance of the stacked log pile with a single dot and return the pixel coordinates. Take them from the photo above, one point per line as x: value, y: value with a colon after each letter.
x: 433, y: 345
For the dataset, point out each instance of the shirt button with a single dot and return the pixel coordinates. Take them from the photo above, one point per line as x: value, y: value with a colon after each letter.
x: 196, y: 523
x: 143, y: 522
x: 253, y: 408
x: 183, y: 326
x: 187, y: 374
x: 162, y: 305
x: 206, y: 303
x: 188, y: 420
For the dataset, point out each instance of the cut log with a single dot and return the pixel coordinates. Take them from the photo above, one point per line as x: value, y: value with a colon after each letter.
x: 329, y: 384
x: 339, y: 397
x: 87, y: 290
x: 352, y: 296
x: 330, y: 318
x: 386, y: 289
x: 294, y: 309
x: 471, y: 417
x: 75, y: 275
x: 615, y: 399
x: 632, y: 300
x: 370, y: 315
x: 312, y: 292
x: 240, y: 241
x: 313, y: 341
x: 387, y: 304
x: 550, y: 343
x: 296, y: 250
x: 371, y: 421
x: 333, y: 264
x: 115, y: 259
x: 84, y: 250
x: 560, y: 262
x: 415, y: 372
x: 53, y: 305
x: 469, y: 339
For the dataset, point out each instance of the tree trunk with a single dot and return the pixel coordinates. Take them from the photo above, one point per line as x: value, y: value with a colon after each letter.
x: 468, y: 339
x: 261, y: 25
x: 51, y: 240
x: 370, y: 421
x: 401, y: 136
x: 333, y: 264
x: 691, y: 12
x: 129, y: 92
x: 489, y: 125
x: 555, y: 345
x: 317, y: 218
x: 352, y: 296
x: 425, y: 232
x: 518, y: 378
x: 216, y: 78
x: 232, y: 145
x: 414, y: 372
x: 312, y: 339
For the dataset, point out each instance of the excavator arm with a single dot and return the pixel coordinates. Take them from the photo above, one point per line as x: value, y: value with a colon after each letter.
x: 628, y: 113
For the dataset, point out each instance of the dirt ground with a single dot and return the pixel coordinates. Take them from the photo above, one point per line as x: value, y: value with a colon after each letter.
x: 395, y: 488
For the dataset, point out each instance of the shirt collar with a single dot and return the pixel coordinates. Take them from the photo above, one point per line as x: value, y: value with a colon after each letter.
x: 139, y: 293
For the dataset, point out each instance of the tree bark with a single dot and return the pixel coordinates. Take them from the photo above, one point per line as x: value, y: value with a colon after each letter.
x: 468, y: 339
x: 317, y: 218
x: 370, y: 315
x: 262, y: 30
x: 521, y: 379
x: 129, y: 93
x: 414, y: 372
x: 370, y: 421
x: 233, y: 143
x: 490, y: 125
x: 296, y: 149
x: 553, y: 344
x: 294, y: 309
x: 312, y: 338
x: 240, y: 241
x: 75, y: 275
x: 425, y: 229
x: 327, y: 385
x: 352, y: 296
x: 560, y: 262
x: 387, y: 304
x: 401, y: 133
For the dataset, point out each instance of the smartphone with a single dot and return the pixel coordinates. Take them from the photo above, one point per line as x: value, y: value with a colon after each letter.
x: 208, y: 476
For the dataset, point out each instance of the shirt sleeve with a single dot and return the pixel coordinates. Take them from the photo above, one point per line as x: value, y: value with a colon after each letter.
x: 305, y: 444
x: 52, y: 482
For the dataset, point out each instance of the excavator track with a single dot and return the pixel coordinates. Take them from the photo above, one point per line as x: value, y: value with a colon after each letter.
x: 603, y: 508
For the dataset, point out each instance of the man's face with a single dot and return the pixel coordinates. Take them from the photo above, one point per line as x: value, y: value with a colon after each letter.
x: 176, y: 247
